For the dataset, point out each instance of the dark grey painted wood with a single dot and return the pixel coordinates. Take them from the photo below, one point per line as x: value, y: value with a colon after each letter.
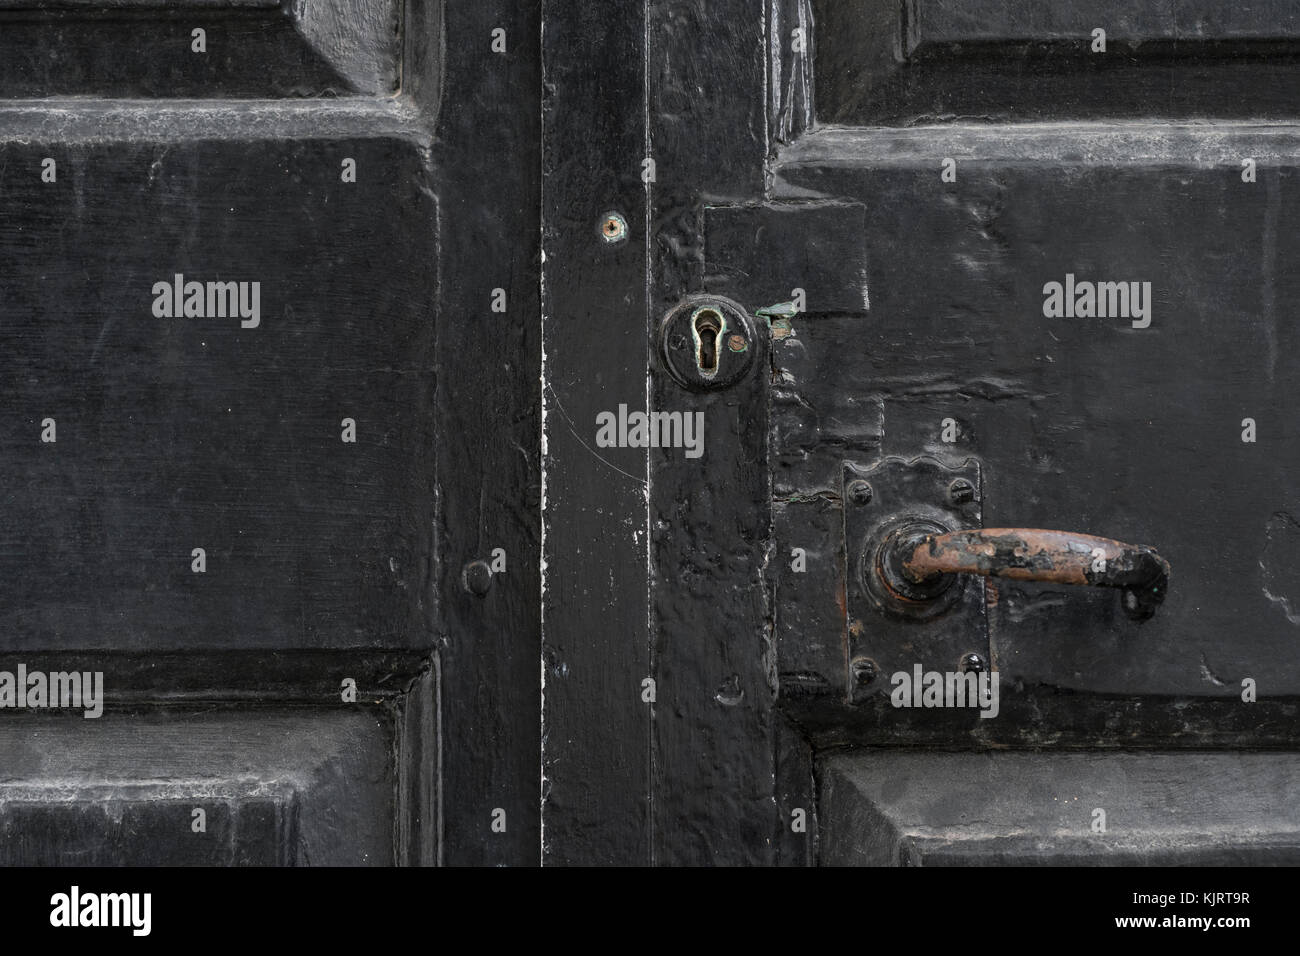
x: 246, y: 48
x: 489, y: 419
x: 1090, y: 424
x: 122, y: 790
x: 915, y: 809
x: 714, y: 737
x: 325, y: 560
x: 920, y: 62
x: 596, y: 732
x: 481, y: 171
x: 195, y: 432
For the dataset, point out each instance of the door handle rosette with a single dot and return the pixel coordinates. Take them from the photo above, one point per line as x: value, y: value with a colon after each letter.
x: 917, y: 557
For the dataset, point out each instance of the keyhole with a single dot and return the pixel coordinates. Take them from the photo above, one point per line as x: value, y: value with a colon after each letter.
x: 708, y: 326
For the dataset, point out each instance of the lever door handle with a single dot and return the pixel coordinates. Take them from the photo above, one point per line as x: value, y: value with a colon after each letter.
x: 924, y: 560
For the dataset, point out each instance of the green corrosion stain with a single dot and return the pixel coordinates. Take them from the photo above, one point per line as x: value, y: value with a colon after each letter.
x: 779, y: 318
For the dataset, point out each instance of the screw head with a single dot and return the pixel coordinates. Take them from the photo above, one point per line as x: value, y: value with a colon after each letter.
x: 613, y: 227
x: 859, y: 492
x: 961, y: 492
x: 864, y: 671
x: 477, y: 577
x: 973, y: 664
x: 737, y: 343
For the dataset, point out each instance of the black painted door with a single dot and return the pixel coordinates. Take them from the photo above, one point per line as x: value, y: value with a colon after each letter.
x: 874, y: 417
x: 247, y: 472
x: 1075, y: 236
x: 987, y: 311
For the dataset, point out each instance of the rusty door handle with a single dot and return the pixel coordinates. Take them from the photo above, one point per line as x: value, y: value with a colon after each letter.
x: 1030, y: 554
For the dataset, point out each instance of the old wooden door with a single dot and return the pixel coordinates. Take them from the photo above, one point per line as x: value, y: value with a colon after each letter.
x: 268, y: 356
x: 860, y: 432
x: 930, y: 280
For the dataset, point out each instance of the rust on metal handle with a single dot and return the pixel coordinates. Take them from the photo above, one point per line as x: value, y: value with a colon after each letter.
x: 1031, y: 554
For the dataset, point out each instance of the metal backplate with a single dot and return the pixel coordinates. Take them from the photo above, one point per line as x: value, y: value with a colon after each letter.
x: 882, y: 641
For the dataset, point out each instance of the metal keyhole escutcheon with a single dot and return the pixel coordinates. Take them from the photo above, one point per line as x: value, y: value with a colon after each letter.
x: 708, y: 342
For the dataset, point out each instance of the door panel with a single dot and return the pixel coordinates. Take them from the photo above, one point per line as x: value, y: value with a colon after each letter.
x: 243, y: 48
x: 983, y: 148
x: 219, y: 431
x: 126, y: 791
x: 1085, y: 423
x: 913, y: 62
x: 929, y: 170
x: 249, y: 473
x: 990, y: 809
